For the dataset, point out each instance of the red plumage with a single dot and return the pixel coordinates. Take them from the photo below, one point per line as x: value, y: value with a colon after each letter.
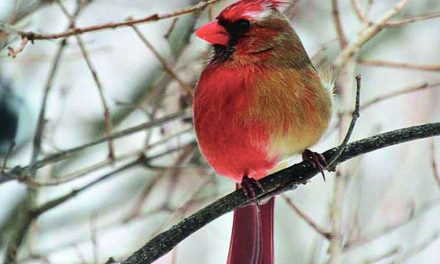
x: 236, y: 10
x: 232, y: 144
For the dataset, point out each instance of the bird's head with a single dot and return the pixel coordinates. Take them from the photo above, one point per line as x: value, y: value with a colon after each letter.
x: 248, y: 27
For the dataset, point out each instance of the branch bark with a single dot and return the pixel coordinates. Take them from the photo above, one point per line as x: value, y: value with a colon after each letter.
x: 276, y: 183
x: 32, y: 36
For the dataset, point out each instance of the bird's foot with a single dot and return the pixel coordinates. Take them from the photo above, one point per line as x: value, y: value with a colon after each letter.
x: 249, y: 187
x: 316, y: 159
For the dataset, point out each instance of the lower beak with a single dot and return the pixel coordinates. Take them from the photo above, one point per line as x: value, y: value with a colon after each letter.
x: 213, y: 33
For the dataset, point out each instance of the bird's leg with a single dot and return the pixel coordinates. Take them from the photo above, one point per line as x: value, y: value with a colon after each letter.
x: 316, y: 159
x: 249, y: 186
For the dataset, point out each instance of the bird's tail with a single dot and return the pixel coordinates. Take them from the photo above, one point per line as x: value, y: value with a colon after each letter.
x: 252, y: 235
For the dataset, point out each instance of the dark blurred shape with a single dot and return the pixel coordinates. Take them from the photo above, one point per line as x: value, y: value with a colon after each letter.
x: 9, y: 116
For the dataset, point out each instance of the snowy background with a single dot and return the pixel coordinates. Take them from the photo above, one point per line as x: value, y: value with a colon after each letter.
x: 391, y: 193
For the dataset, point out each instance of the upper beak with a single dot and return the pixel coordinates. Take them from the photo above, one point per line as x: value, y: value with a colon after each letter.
x: 213, y: 33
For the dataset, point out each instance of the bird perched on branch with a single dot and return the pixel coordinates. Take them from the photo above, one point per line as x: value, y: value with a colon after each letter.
x: 258, y: 100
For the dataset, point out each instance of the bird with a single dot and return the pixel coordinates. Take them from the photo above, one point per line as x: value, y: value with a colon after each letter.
x: 258, y: 101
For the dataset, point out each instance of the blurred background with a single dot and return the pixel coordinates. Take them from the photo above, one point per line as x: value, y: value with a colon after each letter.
x: 56, y: 96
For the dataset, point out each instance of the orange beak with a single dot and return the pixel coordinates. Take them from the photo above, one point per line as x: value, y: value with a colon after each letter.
x: 213, y: 33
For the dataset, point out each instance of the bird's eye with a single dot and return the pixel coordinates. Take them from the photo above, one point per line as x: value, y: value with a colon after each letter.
x: 242, y: 25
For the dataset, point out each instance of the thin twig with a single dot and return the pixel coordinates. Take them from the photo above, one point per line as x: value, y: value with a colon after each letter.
x: 14, y: 12
x: 338, y: 23
x: 175, y: 172
x: 345, y: 80
x: 137, y: 207
x: 383, y: 256
x: 23, y: 227
x: 354, y: 243
x: 21, y: 173
x: 7, y: 156
x: 107, y: 117
x: 171, y: 28
x: 112, y: 25
x: 42, y: 114
x: 320, y: 230
x: 367, y: 34
x: 123, y: 133
x: 400, y: 65
x: 100, y: 165
x: 413, y: 19
x: 142, y: 161
x: 368, y: 7
x: 358, y: 10
x: 168, y: 68
x: 13, y: 52
x: 355, y: 117
x: 182, y: 209
x: 399, y: 92
x: 339, y: 187
x: 66, y: 197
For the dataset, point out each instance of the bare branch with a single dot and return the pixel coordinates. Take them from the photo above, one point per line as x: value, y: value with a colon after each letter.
x: 358, y: 11
x: 168, y: 68
x: 85, y: 54
x: 7, y: 156
x: 367, y: 34
x: 64, y: 198
x: 383, y: 256
x: 21, y: 173
x: 401, y: 65
x: 413, y: 19
x: 14, y: 52
x: 278, y: 182
x: 112, y: 25
x: 320, y: 230
x: 367, y: 238
x: 142, y: 161
x: 355, y: 116
x: 338, y: 23
x: 399, y: 92
x: 107, y: 118
x: 22, y: 229
x: 171, y: 28
x: 92, y: 168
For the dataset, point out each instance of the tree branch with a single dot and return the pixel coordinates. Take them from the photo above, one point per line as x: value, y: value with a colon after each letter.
x: 401, y: 65
x: 367, y: 34
x: 281, y: 181
x: 32, y: 36
x: 21, y: 173
x: 338, y: 23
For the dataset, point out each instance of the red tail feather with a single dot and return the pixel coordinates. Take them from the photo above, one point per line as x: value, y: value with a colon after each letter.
x: 252, y: 235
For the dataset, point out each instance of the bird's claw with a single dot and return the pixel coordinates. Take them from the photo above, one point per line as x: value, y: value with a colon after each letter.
x: 249, y: 186
x: 317, y: 160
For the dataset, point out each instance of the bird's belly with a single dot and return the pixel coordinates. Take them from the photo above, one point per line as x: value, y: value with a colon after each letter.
x: 234, y: 147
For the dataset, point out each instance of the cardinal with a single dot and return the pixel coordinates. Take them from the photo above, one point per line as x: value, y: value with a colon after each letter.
x: 258, y: 101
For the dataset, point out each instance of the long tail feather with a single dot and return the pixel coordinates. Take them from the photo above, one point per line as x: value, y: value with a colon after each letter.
x: 267, y: 215
x: 252, y: 235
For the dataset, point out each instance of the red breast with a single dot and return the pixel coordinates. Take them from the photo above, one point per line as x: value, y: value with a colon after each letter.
x: 233, y: 143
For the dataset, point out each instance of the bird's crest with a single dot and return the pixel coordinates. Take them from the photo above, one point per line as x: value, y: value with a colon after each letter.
x: 248, y: 8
